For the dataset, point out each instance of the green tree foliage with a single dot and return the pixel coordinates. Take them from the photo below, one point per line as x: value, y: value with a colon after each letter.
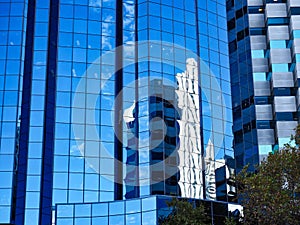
x: 271, y: 195
x: 230, y: 221
x: 183, y: 213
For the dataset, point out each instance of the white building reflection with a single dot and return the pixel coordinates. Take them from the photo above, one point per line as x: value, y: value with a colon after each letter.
x: 189, y: 151
x: 176, y: 163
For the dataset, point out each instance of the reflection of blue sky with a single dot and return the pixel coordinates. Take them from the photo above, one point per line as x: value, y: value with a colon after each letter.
x: 108, y: 88
x: 133, y: 219
x: 95, y: 3
x: 107, y: 102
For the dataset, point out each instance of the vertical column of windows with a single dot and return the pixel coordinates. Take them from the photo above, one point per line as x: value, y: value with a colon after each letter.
x: 12, y: 40
x: 279, y: 59
x: 84, y: 103
x: 294, y: 44
x: 215, y: 84
x: 129, y: 98
x: 259, y: 55
x: 242, y: 85
x: 107, y: 129
x: 36, y: 124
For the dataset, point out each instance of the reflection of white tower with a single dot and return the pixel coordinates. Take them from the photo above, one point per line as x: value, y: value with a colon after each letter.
x: 189, y: 152
x: 210, y: 179
x: 211, y: 168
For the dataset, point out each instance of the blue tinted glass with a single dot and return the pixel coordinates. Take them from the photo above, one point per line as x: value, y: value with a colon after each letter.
x: 3, y: 37
x: 82, y: 221
x: 65, y: 221
x: 83, y: 210
x: 65, y: 39
x: 66, y: 11
x: 80, y: 12
x: 280, y: 67
x: 94, y: 27
x: 33, y: 183
x: 296, y: 33
x: 6, y: 162
x: 116, y: 220
x: 14, y: 38
x: 108, y: 15
x: 32, y: 199
x: 148, y: 203
x: 79, y: 55
x: 116, y: 208
x: 133, y: 219
x: 42, y: 15
x: 100, y: 209
x: 133, y: 206
x: 6, y: 179
x: 5, y: 197
x: 34, y: 166
x: 100, y: 220
x: 59, y: 196
x: 259, y: 77
x: 31, y: 216
x: 75, y: 181
x: 66, y: 25
x: 106, y: 196
x: 11, y: 83
x: 4, y: 23
x: 109, y: 3
x: 10, y: 98
x: 16, y: 9
x: 94, y: 41
x: 4, y: 9
x: 15, y: 23
x: 154, y: 9
x: 76, y: 164
x: 257, y: 54
x: 149, y: 218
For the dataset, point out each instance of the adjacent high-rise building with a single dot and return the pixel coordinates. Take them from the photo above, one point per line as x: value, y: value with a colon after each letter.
x: 264, y: 49
x: 107, y: 103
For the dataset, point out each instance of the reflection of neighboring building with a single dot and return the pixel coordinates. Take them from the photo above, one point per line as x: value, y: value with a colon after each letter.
x: 189, y: 151
x: 219, y: 175
x: 132, y: 176
x: 174, y: 125
x: 159, y: 158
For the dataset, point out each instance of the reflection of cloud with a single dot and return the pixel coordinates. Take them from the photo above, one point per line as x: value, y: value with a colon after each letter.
x: 78, y: 148
x: 128, y: 114
x: 128, y: 49
x: 74, y: 73
x: 131, y: 219
x: 106, y: 41
x: 109, y: 18
x: 95, y: 3
x: 129, y: 9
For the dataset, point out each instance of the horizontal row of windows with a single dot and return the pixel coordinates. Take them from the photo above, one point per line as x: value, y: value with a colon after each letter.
x: 102, y: 209
x: 85, y: 12
x: 79, y: 196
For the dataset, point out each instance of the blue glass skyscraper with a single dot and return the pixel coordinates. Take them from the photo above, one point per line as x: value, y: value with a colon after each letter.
x: 113, y: 101
x: 263, y: 46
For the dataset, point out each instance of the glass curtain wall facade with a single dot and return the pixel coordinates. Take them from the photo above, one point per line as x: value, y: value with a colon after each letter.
x: 145, y: 210
x: 13, y: 16
x: 105, y: 100
x: 263, y: 54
